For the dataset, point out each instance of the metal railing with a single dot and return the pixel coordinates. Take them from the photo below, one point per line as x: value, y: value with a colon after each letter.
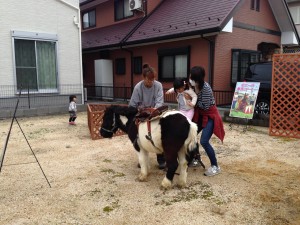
x: 33, y: 98
x: 96, y: 92
x: 60, y: 97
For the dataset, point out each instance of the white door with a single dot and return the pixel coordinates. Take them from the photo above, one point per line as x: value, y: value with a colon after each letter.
x: 104, y: 78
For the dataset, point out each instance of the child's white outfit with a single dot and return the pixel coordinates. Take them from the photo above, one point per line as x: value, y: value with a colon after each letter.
x: 183, y: 105
x: 72, y: 111
x: 73, y: 108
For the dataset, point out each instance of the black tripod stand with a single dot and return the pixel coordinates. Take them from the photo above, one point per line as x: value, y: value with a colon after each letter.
x: 8, y: 135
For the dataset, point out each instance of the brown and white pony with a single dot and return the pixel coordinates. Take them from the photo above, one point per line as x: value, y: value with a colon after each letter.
x: 172, y: 134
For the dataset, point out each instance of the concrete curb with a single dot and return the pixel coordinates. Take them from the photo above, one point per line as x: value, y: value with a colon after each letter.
x: 8, y: 113
x: 258, y: 119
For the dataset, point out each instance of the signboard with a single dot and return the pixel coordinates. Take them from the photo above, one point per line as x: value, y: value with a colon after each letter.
x: 244, y: 99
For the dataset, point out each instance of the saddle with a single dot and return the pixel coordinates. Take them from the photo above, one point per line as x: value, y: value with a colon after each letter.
x: 147, y: 115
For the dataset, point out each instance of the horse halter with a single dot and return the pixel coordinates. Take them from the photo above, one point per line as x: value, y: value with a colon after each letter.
x: 114, y: 126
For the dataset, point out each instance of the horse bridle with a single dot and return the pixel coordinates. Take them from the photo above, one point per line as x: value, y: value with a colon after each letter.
x: 114, y: 126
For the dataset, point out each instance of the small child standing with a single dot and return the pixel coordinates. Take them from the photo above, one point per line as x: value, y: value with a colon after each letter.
x: 186, y: 97
x: 72, y: 109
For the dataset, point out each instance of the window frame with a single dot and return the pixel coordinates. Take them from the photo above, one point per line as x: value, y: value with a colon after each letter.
x: 35, y: 37
x: 173, y: 52
x: 241, y: 52
x: 116, y: 3
x: 255, y: 5
x: 137, y: 65
x: 252, y: 5
x: 88, y: 12
x: 120, y: 66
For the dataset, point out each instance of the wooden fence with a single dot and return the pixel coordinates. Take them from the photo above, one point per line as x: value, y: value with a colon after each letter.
x: 95, y: 113
x: 285, y: 100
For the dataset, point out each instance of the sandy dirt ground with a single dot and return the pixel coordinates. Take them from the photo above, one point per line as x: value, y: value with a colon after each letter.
x: 94, y: 181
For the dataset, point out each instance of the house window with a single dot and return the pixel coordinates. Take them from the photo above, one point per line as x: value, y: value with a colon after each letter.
x: 255, y: 5
x: 173, y: 63
x: 241, y: 59
x: 120, y: 66
x: 252, y: 4
x: 89, y: 19
x: 122, y: 9
x: 137, y: 65
x: 35, y: 64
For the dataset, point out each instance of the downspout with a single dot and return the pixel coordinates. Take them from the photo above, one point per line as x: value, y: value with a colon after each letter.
x: 78, y: 23
x: 211, y: 61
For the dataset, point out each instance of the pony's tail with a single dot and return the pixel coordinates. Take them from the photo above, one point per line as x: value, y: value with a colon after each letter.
x: 191, y: 141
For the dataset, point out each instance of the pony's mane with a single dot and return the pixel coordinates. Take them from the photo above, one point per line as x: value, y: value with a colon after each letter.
x: 128, y: 112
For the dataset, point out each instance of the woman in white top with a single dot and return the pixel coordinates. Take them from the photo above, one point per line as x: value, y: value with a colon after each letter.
x: 184, y: 93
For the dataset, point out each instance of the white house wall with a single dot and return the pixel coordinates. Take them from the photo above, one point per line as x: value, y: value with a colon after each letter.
x: 42, y: 16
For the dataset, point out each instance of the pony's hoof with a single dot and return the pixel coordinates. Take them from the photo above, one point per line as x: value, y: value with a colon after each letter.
x: 181, y: 184
x: 142, y: 178
x: 166, y: 183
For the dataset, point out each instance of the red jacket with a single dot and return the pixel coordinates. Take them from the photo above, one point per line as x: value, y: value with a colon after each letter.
x: 213, y: 114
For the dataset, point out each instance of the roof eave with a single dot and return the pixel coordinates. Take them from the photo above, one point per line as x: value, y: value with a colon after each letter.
x: 283, y: 17
x: 231, y: 14
x: 174, y: 36
x: 292, y: 22
x: 85, y: 2
x: 105, y: 47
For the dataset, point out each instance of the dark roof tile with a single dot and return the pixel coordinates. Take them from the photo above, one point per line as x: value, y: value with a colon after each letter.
x: 175, y: 17
x: 169, y: 19
x: 107, y: 36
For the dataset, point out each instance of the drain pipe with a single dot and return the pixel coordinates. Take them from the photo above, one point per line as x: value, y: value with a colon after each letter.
x: 211, y: 61
x: 78, y: 24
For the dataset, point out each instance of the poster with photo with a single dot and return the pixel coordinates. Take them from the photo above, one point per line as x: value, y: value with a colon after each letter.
x: 244, y: 99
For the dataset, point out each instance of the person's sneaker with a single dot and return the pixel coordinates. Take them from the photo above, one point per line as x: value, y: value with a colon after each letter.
x: 212, y: 171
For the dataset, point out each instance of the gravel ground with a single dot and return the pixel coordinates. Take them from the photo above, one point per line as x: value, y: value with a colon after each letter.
x: 94, y: 181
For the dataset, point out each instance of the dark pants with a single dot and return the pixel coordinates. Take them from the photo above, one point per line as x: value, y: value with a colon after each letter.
x: 73, y: 116
x: 204, y: 141
x: 72, y: 119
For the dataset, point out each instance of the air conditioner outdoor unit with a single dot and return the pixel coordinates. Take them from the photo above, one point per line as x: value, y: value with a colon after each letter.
x: 135, y: 4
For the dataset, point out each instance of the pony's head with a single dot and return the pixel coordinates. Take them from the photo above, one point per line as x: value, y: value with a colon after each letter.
x: 109, y: 125
x: 112, y: 120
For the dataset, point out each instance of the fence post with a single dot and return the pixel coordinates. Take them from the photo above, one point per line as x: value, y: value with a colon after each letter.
x: 85, y: 94
x: 28, y: 96
x: 125, y: 92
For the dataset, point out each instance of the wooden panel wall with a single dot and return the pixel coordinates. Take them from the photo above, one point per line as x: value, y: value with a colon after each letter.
x: 285, y: 100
